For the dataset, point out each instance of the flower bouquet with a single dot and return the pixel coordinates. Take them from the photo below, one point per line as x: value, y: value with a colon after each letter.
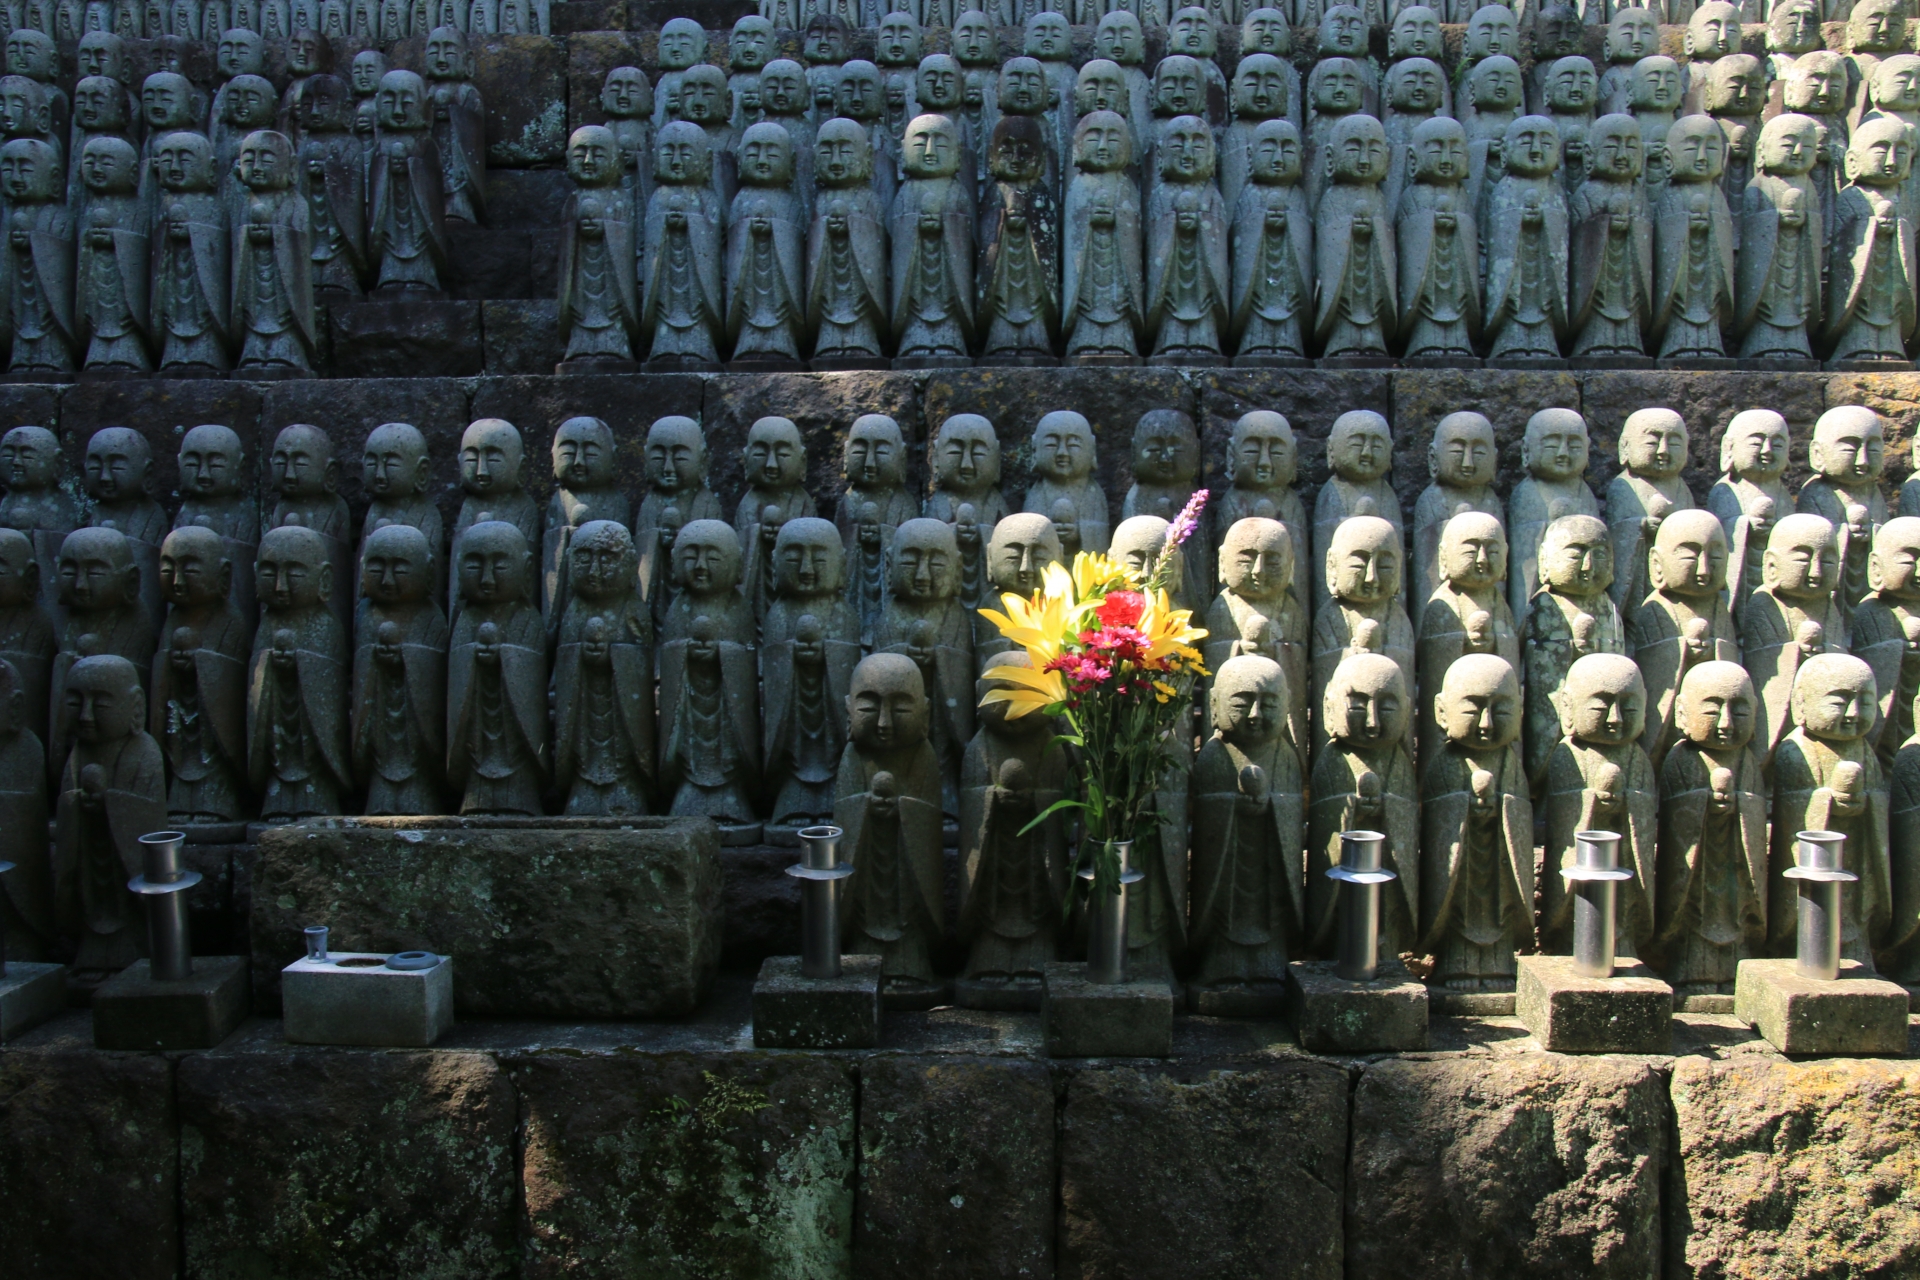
x: 1114, y: 660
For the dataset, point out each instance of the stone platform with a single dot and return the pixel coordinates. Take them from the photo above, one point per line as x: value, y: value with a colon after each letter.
x: 955, y: 1149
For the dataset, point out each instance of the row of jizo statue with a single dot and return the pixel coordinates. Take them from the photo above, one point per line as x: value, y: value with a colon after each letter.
x: 1754, y: 663
x: 1695, y: 215
x: 371, y: 22
x: 1161, y: 15
x: 161, y: 231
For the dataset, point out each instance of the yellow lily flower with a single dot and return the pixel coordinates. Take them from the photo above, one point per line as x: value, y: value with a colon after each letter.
x: 1025, y: 690
x: 1094, y: 575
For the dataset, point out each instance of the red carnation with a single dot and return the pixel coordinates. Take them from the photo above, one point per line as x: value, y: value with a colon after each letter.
x: 1121, y: 608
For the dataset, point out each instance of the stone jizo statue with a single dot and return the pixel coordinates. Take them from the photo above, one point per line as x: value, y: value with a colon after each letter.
x: 1525, y: 306
x: 1018, y: 309
x: 1363, y: 614
x: 1272, y: 251
x: 682, y: 307
x: 497, y: 745
x: 112, y: 264
x: 398, y: 477
x: 1572, y: 616
x: 406, y: 190
x: 847, y: 254
x: 39, y: 262
x: 1782, y: 252
x: 1848, y: 457
x: 1611, y: 248
x: 399, y: 713
x: 1188, y: 284
x: 1166, y: 470
x: 709, y: 732
x: 36, y: 503
x: 1554, y: 452
x: 1683, y: 621
x: 491, y: 457
x: 1461, y: 461
x: 1437, y: 231
x: 1103, y: 291
x: 775, y: 463
x: 119, y: 480
x: 1870, y: 257
x: 766, y: 260
x: 965, y: 461
x: 1063, y: 465
x: 1354, y: 258
x: 1886, y: 632
x: 28, y: 638
x: 603, y: 739
x: 1653, y: 453
x: 1022, y: 546
x: 459, y: 123
x: 199, y: 703
x: 1792, y: 617
x: 585, y: 488
x: 1750, y: 495
x: 301, y: 471
x: 26, y: 897
x: 931, y: 227
x: 925, y: 620
x: 677, y: 493
x: 1693, y: 249
x: 297, y: 754
x: 1360, y: 451
x: 599, y: 285
x: 1466, y: 612
x: 809, y: 646
x: 1263, y: 461
x: 1258, y: 614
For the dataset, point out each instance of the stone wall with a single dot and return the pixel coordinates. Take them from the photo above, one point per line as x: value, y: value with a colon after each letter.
x: 672, y: 1151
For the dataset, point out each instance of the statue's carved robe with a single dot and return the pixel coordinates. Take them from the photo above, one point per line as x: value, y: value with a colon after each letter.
x: 1879, y: 635
x: 111, y: 283
x: 1526, y: 301
x: 39, y: 286
x: 599, y: 281
x: 460, y: 135
x: 804, y: 705
x: 297, y: 756
x: 1089, y: 502
x: 125, y: 631
x: 766, y: 275
x: 1710, y: 897
x: 1777, y: 301
x: 28, y: 640
x: 200, y: 720
x: 567, y: 510
x: 756, y: 574
x: 1189, y: 287
x: 1573, y: 770
x: 1437, y: 504
x: 406, y: 212
x: 97, y: 850
x: 847, y: 294
x: 653, y: 539
x: 1900, y: 953
x: 1770, y: 651
x: 273, y: 315
x: 1610, y: 308
x: 709, y: 756
x: 1355, y: 275
x: 1019, y: 266
x: 603, y: 727
x: 1247, y: 904
x: 1732, y: 499
x: 1232, y: 504
x: 634, y: 135
x: 1657, y: 633
x: 1337, y: 806
x: 1803, y: 800
x: 1870, y: 278
x: 1476, y: 868
x: 399, y: 719
x: 893, y: 904
x: 1013, y: 881
x: 682, y: 306
x: 1438, y: 239
x: 1631, y: 499
x: 1157, y: 904
x: 497, y: 715
x: 1272, y: 270
x: 326, y: 514
x: 932, y: 235
x: 948, y: 674
x: 1334, y: 624
x: 1442, y: 638
x: 1273, y: 629
x: 1103, y: 311
x: 1535, y: 504
x: 1693, y: 280
x: 1551, y: 650
x: 26, y: 893
x: 190, y: 289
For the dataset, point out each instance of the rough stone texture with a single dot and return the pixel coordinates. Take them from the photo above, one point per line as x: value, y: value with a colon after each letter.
x: 628, y: 402
x: 823, y: 406
x: 379, y: 338
x: 310, y: 1163
x: 1508, y: 397
x: 134, y: 1010
x: 88, y: 1172
x: 348, y: 409
x: 692, y: 1166
x: 956, y: 1169
x: 160, y: 410
x: 1176, y: 1172
x: 29, y: 405
x: 531, y: 198
x: 354, y: 999
x: 1896, y: 397
x: 523, y: 82
x: 1310, y: 399
x: 1631, y: 1012
x: 521, y: 335
x: 1858, y: 1014
x: 762, y: 905
x: 1790, y: 1171
x: 793, y: 1011
x: 1537, y: 1166
x: 1083, y: 1019
x: 489, y: 262
x: 593, y: 53
x: 1332, y: 1015
x: 1708, y: 402
x: 547, y: 918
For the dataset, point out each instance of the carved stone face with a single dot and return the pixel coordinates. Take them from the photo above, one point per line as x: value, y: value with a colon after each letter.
x: 1555, y: 446
x: 1713, y: 31
x: 583, y: 454
x: 1849, y: 445
x: 24, y: 109
x: 1178, y: 87
x: 809, y: 559
x: 1101, y: 143
x: 194, y: 569
x: 1249, y: 700
x: 1048, y: 36
x: 1416, y: 85
x: 210, y: 462
x: 1138, y: 542
x: 626, y: 94
x: 1896, y: 553
x: 99, y: 103
x: 1259, y: 87
x: 1532, y: 147
x: 703, y: 96
x: 1360, y: 447
x: 1603, y: 702
x: 292, y: 570
x: 682, y: 43
x: 117, y: 465
x: 394, y: 465
x: 1793, y: 27
x: 1880, y: 153
x: 29, y: 458
x: 1119, y: 37
x: 1876, y: 26
x: 1063, y: 447
x: 1021, y: 547
x: 925, y: 557
x: 103, y: 699
x: 1274, y: 157
x: 1463, y: 454
x: 676, y: 455
x: 1572, y: 86
x: 1416, y: 33
x: 1653, y: 444
x: 1191, y: 33
x: 824, y: 41
x: 1790, y: 145
x: 875, y: 455
x: 1717, y: 706
x: 593, y: 156
x: 1335, y: 87
x: 1689, y: 555
x: 401, y: 101
x: 1256, y: 560
x: 973, y: 39
x: 601, y: 564
x: 31, y: 53
x: 1575, y: 557
x: 857, y: 96
x: 1101, y: 86
x: 887, y: 703
x: 1473, y: 551
x: 300, y: 461
x: 766, y: 156
x: 1264, y: 454
x: 96, y: 570
x: 1495, y: 85
x: 1166, y: 449
x: 1023, y: 87
x: 1440, y: 152
x: 1478, y: 706
x: 1803, y: 558
x: 1655, y: 84
x: 19, y: 571
x: 490, y: 457
x: 1493, y: 31
x: 776, y: 457
x: 938, y: 83
x: 1366, y: 704
x: 1363, y: 563
x: 966, y: 454
x: 1755, y: 445
x: 1834, y: 698
x: 23, y: 169
x: 1359, y: 151
x: 1737, y: 86
x: 1632, y: 34
x: 752, y: 44
x: 369, y: 67
x: 931, y: 148
x: 1557, y: 33
x: 1017, y: 153
x: 1343, y: 32
x: 1614, y: 149
x: 783, y: 87
x: 396, y: 565
x: 681, y: 158
x: 495, y: 566
x: 308, y: 54
x: 1817, y: 84
x: 103, y: 54
x: 706, y: 558
x: 841, y: 154
x: 1266, y: 31
x: 266, y: 161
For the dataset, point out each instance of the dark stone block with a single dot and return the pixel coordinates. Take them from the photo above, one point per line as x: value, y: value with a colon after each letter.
x: 1080, y: 1018
x: 379, y: 337
x: 523, y: 80
x: 1198, y: 1171
x: 793, y: 1011
x: 1309, y: 398
x: 1539, y: 1165
x: 1421, y: 397
x: 580, y: 17
x: 624, y: 1154
x: 29, y: 405
x: 543, y: 265
x: 1333, y: 1015
x: 628, y: 402
x: 717, y: 16
x: 397, y: 1164
x: 823, y: 405
x: 956, y: 1169
x: 1857, y: 1014
x: 526, y: 198
x: 762, y: 906
x: 88, y: 1164
x: 162, y: 410
x: 483, y: 262
x: 1708, y: 402
x: 1895, y: 397
x: 135, y: 1010
x: 521, y: 335
x: 593, y: 53
x: 347, y: 409
x: 1630, y: 1012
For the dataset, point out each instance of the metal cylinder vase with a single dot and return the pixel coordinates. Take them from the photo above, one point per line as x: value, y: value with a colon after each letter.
x: 164, y: 886
x: 1361, y: 873
x: 1819, y: 871
x: 1107, y: 918
x: 820, y: 872
x: 1593, y: 881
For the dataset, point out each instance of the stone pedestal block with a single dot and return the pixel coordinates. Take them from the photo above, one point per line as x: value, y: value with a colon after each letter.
x: 29, y: 995
x: 793, y: 1011
x: 1082, y: 1019
x: 1332, y: 1015
x: 1853, y: 1016
x: 551, y: 917
x: 1631, y: 1012
x: 354, y: 998
x: 134, y: 1010
x: 399, y: 337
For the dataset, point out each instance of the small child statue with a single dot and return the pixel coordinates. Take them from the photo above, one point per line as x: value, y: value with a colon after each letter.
x: 1360, y: 451
x: 775, y: 463
x: 1461, y: 463
x: 1063, y: 465
x: 1653, y: 453
x: 1683, y: 621
x: 1792, y: 617
x: 491, y: 457
x: 1263, y: 461
x: 709, y: 755
x: 199, y: 711
x: 1364, y: 613
x: 1466, y: 613
x: 586, y: 487
x: 398, y: 476
x: 1848, y: 457
x: 1572, y: 616
x: 1272, y: 244
x: 603, y: 737
x: 809, y: 646
x: 399, y: 727
x: 925, y: 620
x: 1023, y: 545
x: 119, y: 473
x: 1750, y: 495
x: 497, y: 755
x: 677, y: 492
x: 965, y: 461
x: 1554, y: 452
x: 1258, y: 613
x: 297, y: 755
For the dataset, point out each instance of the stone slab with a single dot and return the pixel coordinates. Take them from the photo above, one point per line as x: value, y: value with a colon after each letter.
x: 89, y: 1164
x: 1202, y: 1170
x: 1853, y: 1015
x: 1082, y: 1019
x: 793, y: 1011
x: 1631, y: 1012
x: 1470, y: 1004
x: 1332, y: 1015
x: 523, y: 81
x: 315, y: 1162
x: 551, y: 917
x: 686, y: 1164
x: 30, y: 993
x: 956, y: 1169
x: 1788, y: 1169
x: 352, y: 997
x: 521, y: 335
x: 1539, y: 1165
x: 134, y: 1010
x: 396, y: 337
